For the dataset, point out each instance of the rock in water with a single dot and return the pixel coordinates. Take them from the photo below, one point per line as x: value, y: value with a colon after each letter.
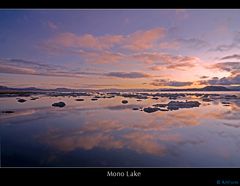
x: 79, y: 99
x: 124, y: 101
x: 150, y: 109
x: 175, y: 105
x: 22, y: 100
x: 59, y: 104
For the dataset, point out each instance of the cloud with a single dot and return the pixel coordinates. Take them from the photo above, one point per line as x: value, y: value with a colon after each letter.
x: 71, y: 40
x: 193, y: 43
x: 131, y: 75
x: 103, y: 57
x: 137, y: 41
x: 234, y: 56
x: 235, y: 44
x: 169, y: 45
x: 19, y: 66
x: 204, y: 77
x: 136, y: 47
x: 165, y: 59
x: 181, y: 66
x: 24, y: 67
x: 15, y: 70
x: 163, y: 82
x: 157, y: 68
x: 52, y: 25
x: 233, y: 67
x: 231, y: 80
x: 225, y: 47
x: 142, y: 40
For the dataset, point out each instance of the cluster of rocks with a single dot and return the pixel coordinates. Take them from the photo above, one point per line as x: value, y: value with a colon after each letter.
x: 172, y: 105
x: 137, y: 96
x: 168, y: 95
x: 175, y: 105
x: 69, y: 94
x: 104, y: 96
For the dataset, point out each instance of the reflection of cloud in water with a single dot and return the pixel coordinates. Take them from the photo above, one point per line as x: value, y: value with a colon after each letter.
x: 103, y: 135
x: 19, y: 113
x: 232, y: 125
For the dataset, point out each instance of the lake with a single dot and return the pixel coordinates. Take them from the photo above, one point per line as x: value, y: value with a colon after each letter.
x: 108, y: 133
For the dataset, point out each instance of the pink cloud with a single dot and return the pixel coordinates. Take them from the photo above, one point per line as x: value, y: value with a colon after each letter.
x: 10, y: 69
x: 169, y: 45
x: 156, y: 68
x: 68, y: 39
x: 142, y: 40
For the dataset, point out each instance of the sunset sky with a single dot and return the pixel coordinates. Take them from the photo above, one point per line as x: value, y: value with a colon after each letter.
x: 119, y: 48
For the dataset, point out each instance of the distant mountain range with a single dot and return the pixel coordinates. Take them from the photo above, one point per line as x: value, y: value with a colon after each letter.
x: 34, y: 89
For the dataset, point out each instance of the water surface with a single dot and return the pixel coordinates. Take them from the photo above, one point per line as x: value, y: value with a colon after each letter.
x: 107, y: 133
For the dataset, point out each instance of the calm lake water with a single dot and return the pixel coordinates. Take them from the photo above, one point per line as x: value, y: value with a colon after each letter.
x: 107, y: 133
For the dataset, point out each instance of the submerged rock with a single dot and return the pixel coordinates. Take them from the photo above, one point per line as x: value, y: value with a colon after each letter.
x: 150, y: 109
x: 21, y: 100
x: 124, y: 101
x: 59, y: 104
x: 79, y: 99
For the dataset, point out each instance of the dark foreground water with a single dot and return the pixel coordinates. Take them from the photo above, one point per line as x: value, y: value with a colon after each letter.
x: 107, y: 133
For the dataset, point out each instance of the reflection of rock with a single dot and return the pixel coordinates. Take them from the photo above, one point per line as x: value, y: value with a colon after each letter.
x: 79, y: 99
x: 21, y: 100
x: 156, y: 98
x: 150, y: 109
x: 34, y: 98
x: 230, y: 97
x: 225, y: 103
x: 59, y: 104
x: 94, y: 99
x: 175, y: 105
x: 160, y: 105
x: 207, y: 100
x: 135, y: 108
x: 124, y: 101
x: 162, y: 109
x: 7, y: 112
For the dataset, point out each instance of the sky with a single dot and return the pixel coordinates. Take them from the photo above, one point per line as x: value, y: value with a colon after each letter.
x: 120, y: 48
